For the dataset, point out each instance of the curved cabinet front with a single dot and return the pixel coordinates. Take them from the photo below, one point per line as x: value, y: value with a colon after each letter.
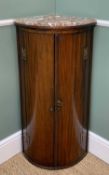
x: 54, y: 67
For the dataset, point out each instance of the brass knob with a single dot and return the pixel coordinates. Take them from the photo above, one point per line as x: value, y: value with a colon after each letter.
x: 58, y: 105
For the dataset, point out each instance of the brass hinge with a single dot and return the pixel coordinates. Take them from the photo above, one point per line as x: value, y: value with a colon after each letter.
x: 85, y: 53
x: 23, y: 54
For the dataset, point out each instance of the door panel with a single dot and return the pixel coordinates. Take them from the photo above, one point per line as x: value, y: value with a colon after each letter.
x: 39, y: 97
x: 70, y: 91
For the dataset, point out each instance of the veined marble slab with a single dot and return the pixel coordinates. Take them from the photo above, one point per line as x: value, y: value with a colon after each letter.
x: 52, y: 21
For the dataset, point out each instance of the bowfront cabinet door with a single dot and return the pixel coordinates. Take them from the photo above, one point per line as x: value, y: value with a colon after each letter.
x: 36, y: 62
x: 55, y: 69
x: 72, y: 74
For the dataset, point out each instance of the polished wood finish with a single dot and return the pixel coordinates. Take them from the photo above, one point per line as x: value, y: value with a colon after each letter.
x: 37, y: 78
x: 55, y: 71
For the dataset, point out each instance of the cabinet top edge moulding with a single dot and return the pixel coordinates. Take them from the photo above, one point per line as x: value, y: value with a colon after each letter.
x: 55, y: 22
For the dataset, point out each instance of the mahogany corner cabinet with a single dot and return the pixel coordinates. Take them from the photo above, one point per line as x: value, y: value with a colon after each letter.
x: 55, y: 55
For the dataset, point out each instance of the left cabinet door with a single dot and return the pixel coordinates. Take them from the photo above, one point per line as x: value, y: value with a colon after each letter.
x: 36, y: 64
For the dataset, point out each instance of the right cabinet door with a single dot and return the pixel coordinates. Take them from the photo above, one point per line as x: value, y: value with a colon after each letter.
x: 72, y: 82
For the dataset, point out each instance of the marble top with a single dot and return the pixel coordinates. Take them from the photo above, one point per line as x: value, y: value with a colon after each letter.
x: 52, y: 21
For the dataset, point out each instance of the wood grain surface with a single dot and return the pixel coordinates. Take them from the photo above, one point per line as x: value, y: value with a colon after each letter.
x: 55, y: 71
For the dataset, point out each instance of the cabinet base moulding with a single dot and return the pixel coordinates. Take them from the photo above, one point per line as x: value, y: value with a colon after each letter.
x: 56, y: 167
x: 12, y: 145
